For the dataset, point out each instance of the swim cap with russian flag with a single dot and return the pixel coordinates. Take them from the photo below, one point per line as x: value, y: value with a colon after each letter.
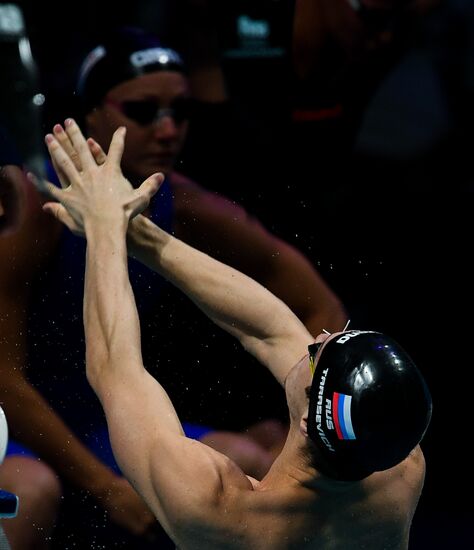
x: 369, y: 405
x: 124, y: 54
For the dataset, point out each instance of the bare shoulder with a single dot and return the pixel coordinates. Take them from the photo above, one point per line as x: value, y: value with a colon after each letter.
x: 413, y: 468
x: 402, y: 483
x: 209, y: 475
x: 205, y: 490
x: 191, y: 200
x: 417, y: 459
x: 221, y: 227
x: 381, y: 507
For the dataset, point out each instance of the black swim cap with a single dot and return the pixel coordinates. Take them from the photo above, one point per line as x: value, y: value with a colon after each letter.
x: 124, y: 54
x: 369, y: 405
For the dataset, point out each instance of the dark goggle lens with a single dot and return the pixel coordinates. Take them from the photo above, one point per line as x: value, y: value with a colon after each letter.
x: 146, y: 112
x: 142, y: 112
x: 313, y: 350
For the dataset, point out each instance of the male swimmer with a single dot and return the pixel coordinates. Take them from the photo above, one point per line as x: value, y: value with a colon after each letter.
x: 351, y: 471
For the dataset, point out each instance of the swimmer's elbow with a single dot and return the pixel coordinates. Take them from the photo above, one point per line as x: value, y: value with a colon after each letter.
x: 108, y: 360
x: 103, y: 371
x: 94, y: 368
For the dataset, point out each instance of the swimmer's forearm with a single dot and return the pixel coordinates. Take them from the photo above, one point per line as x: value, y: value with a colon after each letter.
x: 111, y: 321
x: 115, y: 369
x: 264, y: 325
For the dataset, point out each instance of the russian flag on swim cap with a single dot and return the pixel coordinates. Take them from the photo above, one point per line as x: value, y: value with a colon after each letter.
x: 341, y: 412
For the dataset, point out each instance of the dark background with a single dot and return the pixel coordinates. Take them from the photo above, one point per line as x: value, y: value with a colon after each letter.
x: 392, y: 235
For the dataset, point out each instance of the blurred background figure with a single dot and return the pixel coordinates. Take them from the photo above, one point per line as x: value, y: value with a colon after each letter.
x: 33, y: 481
x: 12, y: 192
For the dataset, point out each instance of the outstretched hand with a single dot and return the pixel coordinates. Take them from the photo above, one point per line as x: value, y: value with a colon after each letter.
x: 94, y: 189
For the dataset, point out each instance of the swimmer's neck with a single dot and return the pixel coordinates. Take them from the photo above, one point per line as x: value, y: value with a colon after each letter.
x: 291, y: 470
x: 290, y: 467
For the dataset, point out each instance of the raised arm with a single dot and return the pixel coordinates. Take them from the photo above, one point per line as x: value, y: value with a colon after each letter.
x: 101, y: 203
x: 264, y: 325
x: 180, y: 479
x: 24, y: 253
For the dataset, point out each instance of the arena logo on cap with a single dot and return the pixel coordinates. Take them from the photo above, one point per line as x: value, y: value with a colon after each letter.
x: 352, y: 334
x: 163, y: 56
x: 341, y: 413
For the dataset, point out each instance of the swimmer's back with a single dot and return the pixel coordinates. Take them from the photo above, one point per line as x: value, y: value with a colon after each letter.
x: 373, y: 514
